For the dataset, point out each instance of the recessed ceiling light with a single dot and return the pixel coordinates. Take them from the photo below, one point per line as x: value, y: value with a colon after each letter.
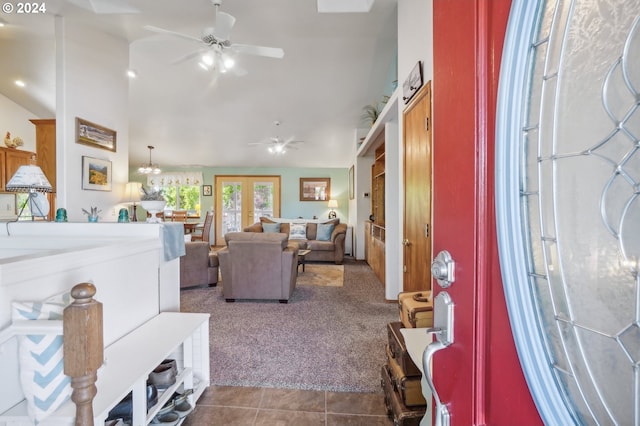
x: 20, y: 83
x: 344, y: 6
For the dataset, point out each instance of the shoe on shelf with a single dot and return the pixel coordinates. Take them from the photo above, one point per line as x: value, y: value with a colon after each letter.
x: 124, y: 409
x: 164, y: 375
x: 181, y: 405
x: 171, y: 363
x: 166, y: 416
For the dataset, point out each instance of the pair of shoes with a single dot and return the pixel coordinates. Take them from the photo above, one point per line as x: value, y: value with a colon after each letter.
x: 164, y: 375
x: 175, y: 409
x: 124, y: 409
x: 166, y: 416
x: 181, y: 404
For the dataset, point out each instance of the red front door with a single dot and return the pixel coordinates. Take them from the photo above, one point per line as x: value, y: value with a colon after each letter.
x: 478, y: 377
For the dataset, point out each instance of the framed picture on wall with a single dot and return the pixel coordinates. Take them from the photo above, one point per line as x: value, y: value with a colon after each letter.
x: 352, y: 194
x: 96, y: 174
x: 315, y: 189
x: 207, y: 190
x: 8, y: 206
x: 94, y: 135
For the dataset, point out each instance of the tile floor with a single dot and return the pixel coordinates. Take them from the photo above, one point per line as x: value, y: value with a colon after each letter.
x: 224, y: 405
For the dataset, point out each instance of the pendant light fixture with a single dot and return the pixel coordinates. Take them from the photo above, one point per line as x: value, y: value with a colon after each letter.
x: 150, y: 168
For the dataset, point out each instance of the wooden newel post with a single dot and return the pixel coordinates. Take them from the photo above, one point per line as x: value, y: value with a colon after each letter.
x: 83, y: 349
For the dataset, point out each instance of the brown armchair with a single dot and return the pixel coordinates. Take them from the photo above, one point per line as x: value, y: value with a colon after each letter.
x: 258, y: 266
x: 199, y: 266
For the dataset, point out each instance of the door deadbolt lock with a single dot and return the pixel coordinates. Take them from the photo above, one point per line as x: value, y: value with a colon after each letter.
x: 442, y: 269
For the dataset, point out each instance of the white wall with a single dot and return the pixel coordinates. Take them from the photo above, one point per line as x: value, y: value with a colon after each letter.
x: 415, y: 43
x: 91, y: 84
x: 15, y: 119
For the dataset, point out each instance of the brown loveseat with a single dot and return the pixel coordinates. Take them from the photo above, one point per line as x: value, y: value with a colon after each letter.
x: 258, y: 266
x: 198, y: 266
x: 330, y: 250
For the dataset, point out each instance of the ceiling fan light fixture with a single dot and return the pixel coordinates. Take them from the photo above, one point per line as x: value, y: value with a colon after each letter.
x: 207, y: 60
x: 228, y: 61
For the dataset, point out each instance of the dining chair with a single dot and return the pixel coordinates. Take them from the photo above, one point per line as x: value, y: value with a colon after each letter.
x: 202, y: 234
x: 179, y: 216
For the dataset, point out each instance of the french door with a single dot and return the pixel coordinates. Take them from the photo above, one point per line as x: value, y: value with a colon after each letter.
x: 242, y: 200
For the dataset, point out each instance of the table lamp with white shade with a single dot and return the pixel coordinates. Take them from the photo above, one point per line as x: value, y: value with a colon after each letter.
x: 31, y: 179
x: 132, y: 195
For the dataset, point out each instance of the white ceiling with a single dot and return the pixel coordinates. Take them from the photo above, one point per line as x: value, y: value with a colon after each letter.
x: 333, y: 65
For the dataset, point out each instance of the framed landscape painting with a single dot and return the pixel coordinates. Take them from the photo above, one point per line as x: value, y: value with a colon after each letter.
x: 92, y: 134
x: 96, y: 174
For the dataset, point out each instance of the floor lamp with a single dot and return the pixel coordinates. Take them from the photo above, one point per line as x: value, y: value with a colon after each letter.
x: 132, y: 195
x: 31, y: 179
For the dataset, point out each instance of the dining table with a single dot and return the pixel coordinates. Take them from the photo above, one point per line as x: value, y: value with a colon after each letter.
x: 189, y: 227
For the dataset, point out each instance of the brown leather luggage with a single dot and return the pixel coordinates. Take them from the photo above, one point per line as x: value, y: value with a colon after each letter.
x: 396, y: 410
x: 399, y: 349
x: 416, y: 309
x: 408, y: 388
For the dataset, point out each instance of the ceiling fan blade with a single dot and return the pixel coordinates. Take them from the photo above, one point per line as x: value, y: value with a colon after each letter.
x: 171, y: 33
x: 223, y: 25
x: 106, y: 6
x: 270, y: 52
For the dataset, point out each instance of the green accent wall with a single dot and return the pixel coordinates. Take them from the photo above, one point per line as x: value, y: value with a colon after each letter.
x: 291, y: 206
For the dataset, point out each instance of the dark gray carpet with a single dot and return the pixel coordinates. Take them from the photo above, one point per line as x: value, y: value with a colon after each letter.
x: 325, y: 338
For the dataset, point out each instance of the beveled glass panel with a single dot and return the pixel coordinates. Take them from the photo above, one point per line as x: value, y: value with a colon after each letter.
x: 580, y: 202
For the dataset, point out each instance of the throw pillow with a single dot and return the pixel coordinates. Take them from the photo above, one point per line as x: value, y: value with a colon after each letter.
x: 44, y: 384
x: 298, y: 231
x: 270, y: 227
x: 324, y: 231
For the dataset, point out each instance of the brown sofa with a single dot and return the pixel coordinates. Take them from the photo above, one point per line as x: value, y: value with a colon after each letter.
x: 331, y: 250
x: 199, y: 266
x: 258, y: 266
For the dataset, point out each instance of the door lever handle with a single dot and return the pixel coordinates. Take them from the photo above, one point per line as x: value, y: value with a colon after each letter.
x: 443, y: 417
x: 443, y: 330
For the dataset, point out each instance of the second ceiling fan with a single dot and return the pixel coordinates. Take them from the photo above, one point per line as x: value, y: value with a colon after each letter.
x: 218, y: 51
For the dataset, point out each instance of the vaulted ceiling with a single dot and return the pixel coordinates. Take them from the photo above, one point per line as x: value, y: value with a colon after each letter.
x: 333, y: 65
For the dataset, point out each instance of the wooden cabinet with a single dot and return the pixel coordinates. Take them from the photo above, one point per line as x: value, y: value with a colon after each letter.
x: 374, y: 250
x: 377, y: 186
x: 46, y: 150
x: 10, y: 160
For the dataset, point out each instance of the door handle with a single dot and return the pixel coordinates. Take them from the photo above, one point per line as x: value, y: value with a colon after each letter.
x: 406, y: 242
x: 443, y: 330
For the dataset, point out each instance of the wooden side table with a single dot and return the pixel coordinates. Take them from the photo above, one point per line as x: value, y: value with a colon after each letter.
x: 302, y: 258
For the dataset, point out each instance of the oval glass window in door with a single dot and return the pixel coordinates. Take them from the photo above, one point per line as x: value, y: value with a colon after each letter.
x: 568, y: 205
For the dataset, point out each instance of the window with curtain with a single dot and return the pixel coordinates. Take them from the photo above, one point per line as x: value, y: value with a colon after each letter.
x: 181, y: 190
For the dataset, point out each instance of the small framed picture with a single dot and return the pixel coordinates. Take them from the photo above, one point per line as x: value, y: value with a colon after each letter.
x: 96, y: 174
x: 207, y: 190
x: 8, y: 207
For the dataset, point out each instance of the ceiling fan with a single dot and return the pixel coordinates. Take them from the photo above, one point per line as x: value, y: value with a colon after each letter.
x: 277, y: 145
x: 219, y: 50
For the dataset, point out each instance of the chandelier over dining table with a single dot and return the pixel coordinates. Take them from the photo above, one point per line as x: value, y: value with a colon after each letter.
x: 149, y: 168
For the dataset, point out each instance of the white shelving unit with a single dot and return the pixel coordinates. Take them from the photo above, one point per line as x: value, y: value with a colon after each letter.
x: 128, y: 362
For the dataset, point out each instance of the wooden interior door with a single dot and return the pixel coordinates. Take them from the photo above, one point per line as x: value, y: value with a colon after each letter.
x: 417, y: 192
x: 242, y: 200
